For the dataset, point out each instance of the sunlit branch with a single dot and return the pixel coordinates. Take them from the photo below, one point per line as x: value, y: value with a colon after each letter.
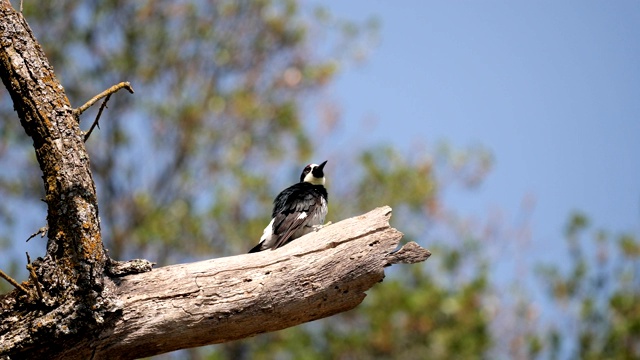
x: 105, y: 93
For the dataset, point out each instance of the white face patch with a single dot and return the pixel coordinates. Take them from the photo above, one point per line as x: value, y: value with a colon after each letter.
x: 312, y: 179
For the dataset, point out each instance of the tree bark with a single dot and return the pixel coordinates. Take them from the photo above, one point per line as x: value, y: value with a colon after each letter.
x: 48, y: 118
x: 87, y: 311
x: 72, y: 272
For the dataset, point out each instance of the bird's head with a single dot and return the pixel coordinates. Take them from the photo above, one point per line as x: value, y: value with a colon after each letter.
x: 313, y: 174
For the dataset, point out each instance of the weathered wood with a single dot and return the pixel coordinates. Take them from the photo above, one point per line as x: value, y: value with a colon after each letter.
x: 230, y: 298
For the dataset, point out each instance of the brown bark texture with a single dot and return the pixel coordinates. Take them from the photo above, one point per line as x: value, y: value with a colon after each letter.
x: 72, y: 271
x: 72, y: 274
x: 94, y: 307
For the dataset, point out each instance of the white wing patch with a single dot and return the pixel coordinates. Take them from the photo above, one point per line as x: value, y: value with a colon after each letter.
x: 267, y: 239
x: 302, y: 215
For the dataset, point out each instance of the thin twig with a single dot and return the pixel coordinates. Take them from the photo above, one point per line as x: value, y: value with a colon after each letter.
x: 96, y: 121
x: 42, y: 232
x: 13, y: 282
x: 107, y: 92
x: 34, y: 277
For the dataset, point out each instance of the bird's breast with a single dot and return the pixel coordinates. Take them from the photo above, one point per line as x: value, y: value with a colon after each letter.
x: 319, y: 213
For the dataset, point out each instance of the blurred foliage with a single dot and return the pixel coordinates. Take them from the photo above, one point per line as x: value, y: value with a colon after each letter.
x: 183, y: 167
x: 599, y: 292
x: 220, y: 87
x: 187, y: 168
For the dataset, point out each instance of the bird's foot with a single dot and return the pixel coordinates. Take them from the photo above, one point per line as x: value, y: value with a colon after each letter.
x: 316, y: 228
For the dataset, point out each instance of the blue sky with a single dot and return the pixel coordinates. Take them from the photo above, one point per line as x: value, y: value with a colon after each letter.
x: 551, y: 88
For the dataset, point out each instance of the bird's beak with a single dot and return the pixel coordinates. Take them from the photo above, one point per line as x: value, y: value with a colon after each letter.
x: 321, y: 166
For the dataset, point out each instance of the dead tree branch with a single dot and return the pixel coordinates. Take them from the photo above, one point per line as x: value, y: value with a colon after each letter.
x: 108, y: 92
x: 219, y: 300
x: 34, y: 277
x: 96, y: 121
x: 11, y: 281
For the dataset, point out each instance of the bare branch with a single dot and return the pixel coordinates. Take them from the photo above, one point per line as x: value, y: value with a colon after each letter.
x: 13, y: 282
x: 42, y: 232
x: 105, y: 93
x: 95, y: 122
x: 34, y: 277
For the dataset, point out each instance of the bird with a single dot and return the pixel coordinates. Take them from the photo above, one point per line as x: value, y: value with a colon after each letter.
x: 297, y: 210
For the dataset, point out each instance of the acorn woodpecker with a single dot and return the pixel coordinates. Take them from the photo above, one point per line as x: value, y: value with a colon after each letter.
x: 297, y: 210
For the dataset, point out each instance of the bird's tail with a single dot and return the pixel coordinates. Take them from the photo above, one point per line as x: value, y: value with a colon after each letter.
x: 256, y: 248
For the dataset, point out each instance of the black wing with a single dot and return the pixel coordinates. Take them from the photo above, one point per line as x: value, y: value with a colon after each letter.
x: 293, y: 208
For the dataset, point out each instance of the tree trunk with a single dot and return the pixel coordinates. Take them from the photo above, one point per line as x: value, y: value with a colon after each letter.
x: 86, y: 311
x: 72, y: 272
